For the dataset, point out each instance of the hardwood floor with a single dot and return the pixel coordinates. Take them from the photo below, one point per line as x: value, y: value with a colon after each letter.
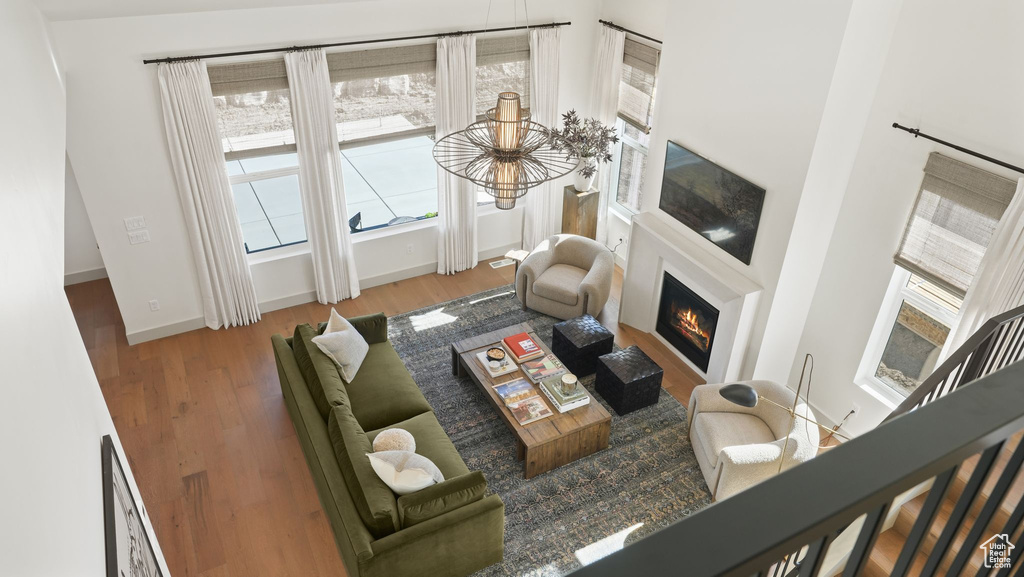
x: 205, y: 429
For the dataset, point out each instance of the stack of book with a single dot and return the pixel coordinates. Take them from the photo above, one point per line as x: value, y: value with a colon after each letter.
x: 552, y: 389
x: 543, y: 368
x: 522, y: 347
x: 523, y: 401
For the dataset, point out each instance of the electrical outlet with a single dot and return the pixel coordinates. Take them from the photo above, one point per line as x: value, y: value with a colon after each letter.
x: 408, y: 248
x: 154, y: 305
x: 134, y: 223
x: 138, y: 237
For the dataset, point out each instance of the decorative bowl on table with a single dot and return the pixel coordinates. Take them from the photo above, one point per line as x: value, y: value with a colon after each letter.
x: 496, y: 354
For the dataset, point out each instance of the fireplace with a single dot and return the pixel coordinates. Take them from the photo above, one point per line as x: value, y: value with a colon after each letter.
x: 687, y: 321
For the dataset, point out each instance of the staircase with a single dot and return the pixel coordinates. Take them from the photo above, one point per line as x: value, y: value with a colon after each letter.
x: 887, y: 549
x: 997, y: 344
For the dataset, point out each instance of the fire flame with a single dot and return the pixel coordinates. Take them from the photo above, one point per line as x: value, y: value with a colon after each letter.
x: 688, y: 324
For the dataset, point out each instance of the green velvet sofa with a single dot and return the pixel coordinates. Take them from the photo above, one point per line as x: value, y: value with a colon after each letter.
x: 450, y: 529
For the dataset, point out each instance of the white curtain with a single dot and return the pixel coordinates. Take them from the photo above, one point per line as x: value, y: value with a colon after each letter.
x: 323, y: 192
x: 998, y: 285
x: 605, y: 105
x: 197, y: 158
x: 456, y: 197
x: 542, y: 217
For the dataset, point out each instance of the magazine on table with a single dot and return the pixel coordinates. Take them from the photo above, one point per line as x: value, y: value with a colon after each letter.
x: 515, y: 391
x: 530, y: 410
x: 543, y: 368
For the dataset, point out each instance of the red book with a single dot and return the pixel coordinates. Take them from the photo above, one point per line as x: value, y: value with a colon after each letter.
x: 522, y: 347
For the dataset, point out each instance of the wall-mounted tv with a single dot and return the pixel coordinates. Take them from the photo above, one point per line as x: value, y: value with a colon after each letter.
x: 717, y: 204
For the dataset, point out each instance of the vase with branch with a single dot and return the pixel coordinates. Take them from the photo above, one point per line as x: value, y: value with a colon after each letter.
x: 589, y: 140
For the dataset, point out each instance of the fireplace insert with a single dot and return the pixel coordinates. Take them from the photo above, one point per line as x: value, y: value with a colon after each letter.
x: 687, y: 321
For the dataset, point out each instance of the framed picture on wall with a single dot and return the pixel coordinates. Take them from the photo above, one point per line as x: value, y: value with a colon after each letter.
x: 129, y: 550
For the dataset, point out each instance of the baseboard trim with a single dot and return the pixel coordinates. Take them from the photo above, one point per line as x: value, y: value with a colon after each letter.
x: 285, y: 302
x: 84, y: 276
x: 165, y: 331
x: 304, y: 297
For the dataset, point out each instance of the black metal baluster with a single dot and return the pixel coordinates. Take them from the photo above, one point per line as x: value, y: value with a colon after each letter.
x: 811, y: 563
x: 912, y: 545
x: 865, y: 541
x: 963, y: 505
x: 995, y: 499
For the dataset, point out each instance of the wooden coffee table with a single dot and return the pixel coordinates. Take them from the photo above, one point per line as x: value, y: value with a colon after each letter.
x: 545, y: 444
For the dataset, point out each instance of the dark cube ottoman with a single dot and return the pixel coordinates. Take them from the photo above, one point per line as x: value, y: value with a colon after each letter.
x: 628, y: 380
x: 578, y: 342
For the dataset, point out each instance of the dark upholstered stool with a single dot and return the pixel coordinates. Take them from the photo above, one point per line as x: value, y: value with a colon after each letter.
x: 628, y: 380
x: 578, y: 342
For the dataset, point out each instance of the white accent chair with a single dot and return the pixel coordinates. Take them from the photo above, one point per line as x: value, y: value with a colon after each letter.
x: 566, y: 276
x: 738, y: 447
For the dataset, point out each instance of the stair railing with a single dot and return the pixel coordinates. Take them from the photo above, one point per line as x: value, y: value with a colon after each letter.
x: 806, y: 507
x: 997, y: 344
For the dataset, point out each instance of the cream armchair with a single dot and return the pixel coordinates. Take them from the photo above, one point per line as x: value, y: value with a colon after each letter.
x: 738, y: 447
x: 566, y: 276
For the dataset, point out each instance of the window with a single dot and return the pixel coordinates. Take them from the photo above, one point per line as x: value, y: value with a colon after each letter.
x: 254, y: 116
x: 945, y: 239
x: 636, y: 111
x: 916, y: 323
x: 384, y: 100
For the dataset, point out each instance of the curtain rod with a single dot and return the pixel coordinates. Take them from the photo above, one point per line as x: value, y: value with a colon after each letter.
x: 611, y: 24
x: 350, y: 43
x: 916, y: 132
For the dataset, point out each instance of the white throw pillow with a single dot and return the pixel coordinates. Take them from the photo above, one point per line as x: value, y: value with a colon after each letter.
x: 336, y: 323
x: 404, y: 471
x: 344, y: 345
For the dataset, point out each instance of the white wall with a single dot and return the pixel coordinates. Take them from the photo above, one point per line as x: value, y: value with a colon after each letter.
x: 82, y: 260
x: 53, y: 415
x: 952, y: 71
x: 744, y: 83
x: 117, y: 145
x: 854, y: 83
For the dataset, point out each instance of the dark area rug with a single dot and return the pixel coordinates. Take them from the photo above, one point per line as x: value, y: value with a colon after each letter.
x: 647, y: 479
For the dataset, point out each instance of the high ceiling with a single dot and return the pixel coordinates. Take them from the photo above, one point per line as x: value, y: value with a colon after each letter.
x: 83, y: 9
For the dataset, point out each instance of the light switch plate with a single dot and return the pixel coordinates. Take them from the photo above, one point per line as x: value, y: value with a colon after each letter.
x: 138, y: 237
x: 134, y: 223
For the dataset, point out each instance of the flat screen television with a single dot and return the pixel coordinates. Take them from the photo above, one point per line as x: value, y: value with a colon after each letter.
x: 714, y: 202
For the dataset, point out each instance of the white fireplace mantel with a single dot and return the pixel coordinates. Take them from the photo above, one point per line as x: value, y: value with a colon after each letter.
x: 656, y: 247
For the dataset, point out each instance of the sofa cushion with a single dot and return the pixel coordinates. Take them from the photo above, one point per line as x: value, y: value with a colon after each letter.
x: 373, y: 499
x: 439, y: 499
x: 319, y: 371
x: 383, y: 392
x: 560, y: 283
x: 717, y: 431
x: 344, y: 345
x: 405, y: 472
x: 432, y: 443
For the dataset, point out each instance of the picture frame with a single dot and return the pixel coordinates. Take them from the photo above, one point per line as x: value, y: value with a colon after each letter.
x: 129, y: 550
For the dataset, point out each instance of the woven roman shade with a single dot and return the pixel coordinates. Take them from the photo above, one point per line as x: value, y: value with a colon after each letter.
x: 253, y: 108
x: 502, y: 64
x: 952, y: 222
x: 244, y: 77
x: 382, y: 62
x: 636, y: 91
